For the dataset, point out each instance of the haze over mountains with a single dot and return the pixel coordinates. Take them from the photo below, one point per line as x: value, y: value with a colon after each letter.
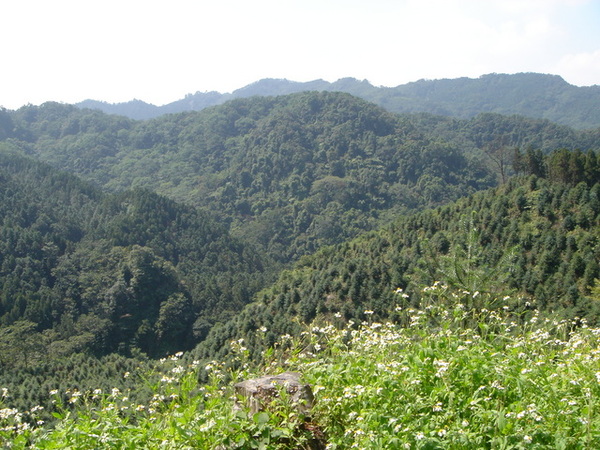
x: 529, y: 94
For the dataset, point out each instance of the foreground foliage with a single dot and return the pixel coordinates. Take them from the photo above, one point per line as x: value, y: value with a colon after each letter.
x: 444, y: 375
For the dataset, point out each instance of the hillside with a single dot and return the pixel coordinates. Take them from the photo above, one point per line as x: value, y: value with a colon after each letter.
x: 532, y: 239
x: 467, y: 288
x: 451, y: 380
x: 83, y: 271
x: 532, y: 95
x: 290, y: 173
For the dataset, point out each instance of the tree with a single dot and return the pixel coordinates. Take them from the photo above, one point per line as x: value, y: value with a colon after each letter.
x: 500, y: 154
x: 174, y: 323
x: 20, y: 344
x: 465, y: 266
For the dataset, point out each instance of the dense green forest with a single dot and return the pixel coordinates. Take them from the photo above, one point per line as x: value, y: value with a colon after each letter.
x: 531, y: 237
x: 105, y: 273
x: 532, y: 95
x: 289, y: 173
x: 125, y: 241
x: 493, y: 292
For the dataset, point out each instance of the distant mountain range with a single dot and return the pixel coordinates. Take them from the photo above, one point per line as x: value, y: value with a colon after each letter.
x: 532, y: 95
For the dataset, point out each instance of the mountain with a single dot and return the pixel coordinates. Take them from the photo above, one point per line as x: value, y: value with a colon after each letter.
x: 532, y: 241
x: 528, y: 94
x: 294, y: 172
x: 124, y: 240
x: 83, y: 271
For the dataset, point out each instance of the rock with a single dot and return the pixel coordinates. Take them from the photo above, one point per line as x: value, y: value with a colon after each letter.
x: 260, y: 392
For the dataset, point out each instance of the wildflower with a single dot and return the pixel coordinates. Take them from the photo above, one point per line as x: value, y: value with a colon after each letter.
x: 419, y: 436
x: 8, y: 412
x: 208, y: 425
x: 74, y: 397
x: 317, y: 388
x: 437, y: 407
x: 442, y: 367
x: 126, y: 375
x: 54, y: 392
x: 263, y: 329
x: 527, y: 439
x: 496, y: 384
x: 368, y: 312
x: 4, y: 392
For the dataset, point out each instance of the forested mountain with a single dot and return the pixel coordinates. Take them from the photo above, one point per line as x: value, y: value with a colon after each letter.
x: 291, y: 173
x: 182, y: 219
x: 534, y: 239
x: 529, y: 94
x: 82, y: 271
x: 122, y: 241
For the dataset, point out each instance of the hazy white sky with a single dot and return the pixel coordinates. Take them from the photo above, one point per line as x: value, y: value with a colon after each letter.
x: 158, y: 51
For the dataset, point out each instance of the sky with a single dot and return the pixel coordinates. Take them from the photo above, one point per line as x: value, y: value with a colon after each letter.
x: 159, y: 51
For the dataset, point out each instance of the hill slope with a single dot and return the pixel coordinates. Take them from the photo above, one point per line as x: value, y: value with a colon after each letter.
x: 531, y: 237
x: 100, y: 273
x: 291, y: 173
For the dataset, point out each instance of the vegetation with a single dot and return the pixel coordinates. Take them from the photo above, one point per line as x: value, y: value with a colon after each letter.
x: 290, y: 173
x: 527, y: 94
x: 531, y: 236
x: 279, y: 224
x: 442, y: 376
x: 82, y: 272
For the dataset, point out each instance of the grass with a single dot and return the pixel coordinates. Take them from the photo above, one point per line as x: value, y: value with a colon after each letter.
x: 439, y: 377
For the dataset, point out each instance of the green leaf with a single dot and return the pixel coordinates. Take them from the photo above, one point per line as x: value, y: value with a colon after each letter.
x: 261, y: 418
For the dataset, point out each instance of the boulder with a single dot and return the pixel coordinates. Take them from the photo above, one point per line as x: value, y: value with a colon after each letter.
x: 260, y: 392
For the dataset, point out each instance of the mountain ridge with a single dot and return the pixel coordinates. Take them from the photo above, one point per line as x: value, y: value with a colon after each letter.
x: 534, y: 95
